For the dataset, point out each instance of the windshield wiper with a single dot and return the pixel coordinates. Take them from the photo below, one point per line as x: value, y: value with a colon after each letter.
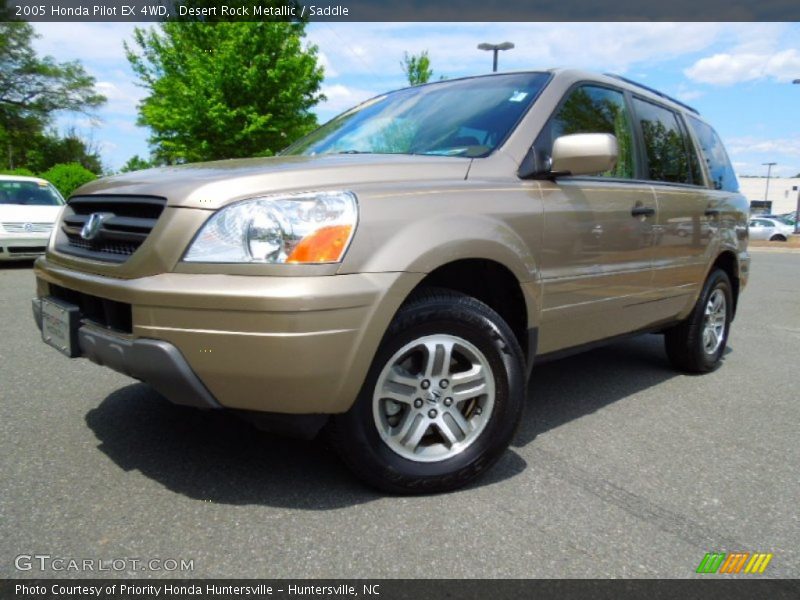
x: 353, y: 152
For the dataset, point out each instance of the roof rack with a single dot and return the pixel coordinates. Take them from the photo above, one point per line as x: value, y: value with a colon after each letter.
x: 652, y: 91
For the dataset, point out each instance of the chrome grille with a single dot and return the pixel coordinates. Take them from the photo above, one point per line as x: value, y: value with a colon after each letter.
x: 26, y: 227
x: 125, y: 223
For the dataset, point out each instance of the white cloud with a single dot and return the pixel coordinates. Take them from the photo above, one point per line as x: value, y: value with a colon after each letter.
x: 341, y: 97
x: 687, y: 94
x: 106, y: 146
x: 757, y: 169
x: 376, y: 49
x: 123, y: 96
x: 731, y: 68
x: 789, y: 146
x: 326, y: 65
x: 87, y: 42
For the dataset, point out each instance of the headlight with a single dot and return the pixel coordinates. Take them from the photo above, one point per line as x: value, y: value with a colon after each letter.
x: 299, y: 228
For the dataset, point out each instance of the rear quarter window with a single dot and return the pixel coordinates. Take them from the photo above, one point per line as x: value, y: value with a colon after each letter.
x: 719, y: 165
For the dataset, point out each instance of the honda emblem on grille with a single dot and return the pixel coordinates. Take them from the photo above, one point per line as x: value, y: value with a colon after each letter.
x: 28, y: 227
x: 92, y: 226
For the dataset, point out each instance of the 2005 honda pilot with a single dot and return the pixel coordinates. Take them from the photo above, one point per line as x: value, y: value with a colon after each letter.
x: 393, y: 275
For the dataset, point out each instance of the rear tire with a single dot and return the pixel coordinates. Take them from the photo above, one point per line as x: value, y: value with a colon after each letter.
x: 442, y: 399
x: 697, y: 344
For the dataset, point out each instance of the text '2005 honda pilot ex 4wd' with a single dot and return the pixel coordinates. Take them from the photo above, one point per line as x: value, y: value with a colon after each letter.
x: 391, y: 277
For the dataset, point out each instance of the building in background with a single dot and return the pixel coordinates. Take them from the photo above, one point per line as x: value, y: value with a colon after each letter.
x: 783, y: 193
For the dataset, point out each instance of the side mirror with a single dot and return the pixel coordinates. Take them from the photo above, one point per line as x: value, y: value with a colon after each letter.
x: 584, y: 154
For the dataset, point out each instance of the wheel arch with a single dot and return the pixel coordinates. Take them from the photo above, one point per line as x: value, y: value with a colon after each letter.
x: 497, y: 286
x: 727, y: 262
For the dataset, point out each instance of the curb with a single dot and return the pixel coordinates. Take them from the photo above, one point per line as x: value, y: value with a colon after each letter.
x: 774, y: 249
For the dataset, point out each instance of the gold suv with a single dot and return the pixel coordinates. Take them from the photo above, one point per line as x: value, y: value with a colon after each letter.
x: 393, y: 276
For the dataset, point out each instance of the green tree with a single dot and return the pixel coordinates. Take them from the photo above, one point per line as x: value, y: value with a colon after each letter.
x: 135, y: 163
x: 33, y: 88
x: 225, y: 90
x: 21, y: 172
x: 43, y: 150
x: 68, y: 177
x: 417, y: 67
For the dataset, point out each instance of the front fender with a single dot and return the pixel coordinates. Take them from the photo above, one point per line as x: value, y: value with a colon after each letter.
x: 424, y: 245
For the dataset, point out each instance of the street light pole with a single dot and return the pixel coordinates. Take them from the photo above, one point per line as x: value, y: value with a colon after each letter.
x: 797, y: 212
x: 797, y: 206
x: 769, y: 166
x: 495, y: 48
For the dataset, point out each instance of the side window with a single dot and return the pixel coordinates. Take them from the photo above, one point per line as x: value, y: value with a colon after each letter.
x: 670, y: 154
x: 591, y: 109
x: 719, y: 165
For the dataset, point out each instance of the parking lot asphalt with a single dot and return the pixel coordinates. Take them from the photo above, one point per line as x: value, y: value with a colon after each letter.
x: 621, y: 468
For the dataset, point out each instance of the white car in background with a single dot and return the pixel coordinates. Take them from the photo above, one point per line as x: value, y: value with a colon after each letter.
x: 762, y: 228
x: 29, y: 207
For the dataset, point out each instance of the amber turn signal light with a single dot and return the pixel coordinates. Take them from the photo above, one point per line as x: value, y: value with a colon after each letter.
x: 325, y: 245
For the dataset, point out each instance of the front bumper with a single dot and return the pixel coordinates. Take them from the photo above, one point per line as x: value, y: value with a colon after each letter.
x: 297, y: 345
x: 22, y: 247
x: 157, y: 362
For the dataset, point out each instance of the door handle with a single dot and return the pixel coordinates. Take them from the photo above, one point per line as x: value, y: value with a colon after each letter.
x: 643, y: 211
x: 712, y: 212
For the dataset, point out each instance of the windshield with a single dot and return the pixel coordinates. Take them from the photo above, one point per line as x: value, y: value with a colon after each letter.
x: 29, y: 193
x: 467, y: 117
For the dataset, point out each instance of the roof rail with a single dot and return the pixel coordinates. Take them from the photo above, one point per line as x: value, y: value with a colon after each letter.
x: 652, y: 91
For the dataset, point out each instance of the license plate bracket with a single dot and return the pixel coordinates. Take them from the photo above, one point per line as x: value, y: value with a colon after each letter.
x: 60, y: 322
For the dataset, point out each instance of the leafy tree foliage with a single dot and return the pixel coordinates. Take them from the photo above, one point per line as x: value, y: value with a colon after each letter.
x: 224, y: 90
x: 46, y: 150
x: 31, y: 90
x: 68, y: 177
x: 136, y: 163
x: 417, y: 67
x: 21, y: 172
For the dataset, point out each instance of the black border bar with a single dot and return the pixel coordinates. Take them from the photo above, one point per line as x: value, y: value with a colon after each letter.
x: 734, y: 588
x: 401, y: 10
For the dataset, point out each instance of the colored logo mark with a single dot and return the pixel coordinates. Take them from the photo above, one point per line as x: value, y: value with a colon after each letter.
x: 734, y: 562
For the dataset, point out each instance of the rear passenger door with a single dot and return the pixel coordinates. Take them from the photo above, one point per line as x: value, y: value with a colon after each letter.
x: 683, y: 231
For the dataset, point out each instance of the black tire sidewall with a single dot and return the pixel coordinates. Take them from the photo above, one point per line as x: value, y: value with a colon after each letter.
x: 483, y: 328
x: 717, y: 280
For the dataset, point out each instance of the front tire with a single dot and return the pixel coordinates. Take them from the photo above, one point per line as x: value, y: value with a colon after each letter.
x: 442, y: 399
x: 697, y: 344
x: 777, y: 238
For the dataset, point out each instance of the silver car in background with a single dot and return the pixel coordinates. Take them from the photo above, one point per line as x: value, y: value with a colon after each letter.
x: 762, y: 228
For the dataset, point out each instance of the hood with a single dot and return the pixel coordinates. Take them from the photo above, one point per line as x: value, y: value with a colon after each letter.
x: 213, y: 184
x: 22, y: 213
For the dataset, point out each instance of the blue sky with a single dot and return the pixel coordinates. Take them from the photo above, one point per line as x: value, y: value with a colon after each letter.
x: 737, y: 74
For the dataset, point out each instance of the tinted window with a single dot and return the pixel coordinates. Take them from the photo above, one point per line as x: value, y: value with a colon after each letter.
x: 719, y: 165
x: 590, y: 109
x: 670, y: 154
x: 467, y: 117
x: 30, y: 193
